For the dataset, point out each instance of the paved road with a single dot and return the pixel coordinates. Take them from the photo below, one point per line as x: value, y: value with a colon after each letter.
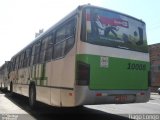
x: 151, y: 107
x: 10, y: 110
x: 16, y: 104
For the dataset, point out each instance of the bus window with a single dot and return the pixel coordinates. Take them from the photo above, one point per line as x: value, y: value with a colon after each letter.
x: 49, y: 48
x: 27, y: 57
x: 36, y: 53
x: 32, y: 55
x: 60, y: 42
x: 70, y: 31
x: 64, y: 39
x: 17, y: 63
x: 60, y: 35
x: 21, y: 60
x: 59, y: 49
x: 42, y: 51
x: 13, y: 64
x: 108, y: 28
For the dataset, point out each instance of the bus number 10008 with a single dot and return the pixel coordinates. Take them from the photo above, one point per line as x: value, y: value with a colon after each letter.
x: 133, y: 66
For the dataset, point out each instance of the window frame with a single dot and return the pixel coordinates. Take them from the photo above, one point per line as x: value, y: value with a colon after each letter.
x: 63, y: 42
x: 27, y: 58
x: 49, y: 45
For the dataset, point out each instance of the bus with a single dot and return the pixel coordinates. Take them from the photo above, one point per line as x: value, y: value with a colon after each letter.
x: 92, y: 56
x: 4, y: 75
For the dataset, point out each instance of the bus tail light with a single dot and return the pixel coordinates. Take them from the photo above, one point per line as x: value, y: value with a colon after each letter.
x: 98, y: 94
x: 83, y: 73
x: 141, y: 94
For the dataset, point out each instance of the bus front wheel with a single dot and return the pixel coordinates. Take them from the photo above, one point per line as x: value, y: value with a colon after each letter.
x: 32, y: 96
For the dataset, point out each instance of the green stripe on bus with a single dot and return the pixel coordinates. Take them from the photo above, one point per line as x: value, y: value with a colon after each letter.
x: 119, y: 74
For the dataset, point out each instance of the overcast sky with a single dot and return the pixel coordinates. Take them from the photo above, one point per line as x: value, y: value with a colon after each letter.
x: 20, y: 19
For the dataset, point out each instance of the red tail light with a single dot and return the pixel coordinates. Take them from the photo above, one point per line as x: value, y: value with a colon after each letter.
x: 83, y: 73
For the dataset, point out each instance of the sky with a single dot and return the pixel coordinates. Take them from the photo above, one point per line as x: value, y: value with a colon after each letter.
x: 21, y: 19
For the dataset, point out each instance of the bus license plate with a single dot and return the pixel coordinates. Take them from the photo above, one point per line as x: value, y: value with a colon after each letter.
x: 121, y: 98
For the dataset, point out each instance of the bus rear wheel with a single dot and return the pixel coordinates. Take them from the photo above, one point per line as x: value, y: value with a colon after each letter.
x: 32, y: 96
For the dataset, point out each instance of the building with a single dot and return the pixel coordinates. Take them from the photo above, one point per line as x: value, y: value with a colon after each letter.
x: 154, y: 51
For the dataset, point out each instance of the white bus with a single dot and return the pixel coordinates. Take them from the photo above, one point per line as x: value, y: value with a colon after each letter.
x: 92, y: 56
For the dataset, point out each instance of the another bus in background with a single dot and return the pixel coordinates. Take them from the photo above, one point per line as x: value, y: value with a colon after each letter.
x: 4, y: 75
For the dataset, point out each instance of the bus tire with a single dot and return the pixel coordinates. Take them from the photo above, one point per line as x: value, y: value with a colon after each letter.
x: 32, y: 96
x: 11, y: 87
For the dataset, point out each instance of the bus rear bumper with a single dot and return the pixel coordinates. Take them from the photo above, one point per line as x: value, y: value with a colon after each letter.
x: 85, y: 96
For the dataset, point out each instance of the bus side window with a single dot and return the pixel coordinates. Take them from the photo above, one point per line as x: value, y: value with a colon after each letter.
x: 42, y: 51
x: 49, y: 48
x: 21, y: 60
x: 13, y: 64
x: 36, y: 53
x: 60, y: 43
x: 17, y: 63
x: 70, y: 36
x: 64, y: 39
x: 27, y: 57
x: 32, y: 54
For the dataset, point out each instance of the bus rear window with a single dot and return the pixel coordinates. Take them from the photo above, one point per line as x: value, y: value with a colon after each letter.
x: 107, y: 28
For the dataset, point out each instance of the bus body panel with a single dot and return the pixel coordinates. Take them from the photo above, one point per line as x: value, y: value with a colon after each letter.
x: 117, y: 74
x: 63, y: 78
x: 55, y: 97
x: 121, y: 69
x: 43, y: 94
